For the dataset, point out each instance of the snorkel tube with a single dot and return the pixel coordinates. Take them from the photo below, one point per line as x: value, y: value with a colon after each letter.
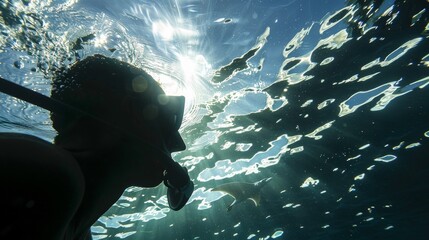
x: 176, y: 177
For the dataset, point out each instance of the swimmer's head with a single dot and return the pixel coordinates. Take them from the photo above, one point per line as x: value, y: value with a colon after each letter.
x: 119, y: 93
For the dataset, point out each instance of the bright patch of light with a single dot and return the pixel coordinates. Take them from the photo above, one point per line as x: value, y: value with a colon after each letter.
x: 125, y: 235
x: 370, y: 167
x: 387, y: 158
x: 163, y: 30
x: 364, y: 146
x: 310, y: 182
x: 251, y: 236
x: 171, y: 85
x: 189, y: 66
x: 219, y: 20
x: 193, y: 68
x: 100, y: 40
x: 98, y: 229
x: 353, y: 158
x: 398, y: 146
x: 360, y: 176
x: 288, y: 205
x: 277, y: 234
x: 412, y: 145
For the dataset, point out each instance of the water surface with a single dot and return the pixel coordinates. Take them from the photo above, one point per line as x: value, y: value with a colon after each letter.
x: 329, y: 98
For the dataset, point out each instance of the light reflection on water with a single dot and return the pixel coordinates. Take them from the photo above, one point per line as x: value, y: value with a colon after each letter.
x: 243, y: 74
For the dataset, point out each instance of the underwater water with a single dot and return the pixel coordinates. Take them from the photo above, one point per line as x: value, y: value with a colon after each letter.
x: 325, y: 102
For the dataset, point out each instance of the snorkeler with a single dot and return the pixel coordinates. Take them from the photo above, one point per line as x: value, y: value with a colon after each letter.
x: 116, y: 128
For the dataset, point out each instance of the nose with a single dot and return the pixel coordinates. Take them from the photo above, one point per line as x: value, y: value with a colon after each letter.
x: 176, y: 143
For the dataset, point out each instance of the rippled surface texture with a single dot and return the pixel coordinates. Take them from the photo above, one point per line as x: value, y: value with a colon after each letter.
x: 329, y: 99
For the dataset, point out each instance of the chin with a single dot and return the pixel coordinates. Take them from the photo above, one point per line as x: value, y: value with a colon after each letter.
x: 152, y: 179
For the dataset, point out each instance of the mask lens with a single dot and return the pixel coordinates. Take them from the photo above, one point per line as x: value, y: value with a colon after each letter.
x: 177, y: 107
x: 176, y: 123
x: 173, y: 113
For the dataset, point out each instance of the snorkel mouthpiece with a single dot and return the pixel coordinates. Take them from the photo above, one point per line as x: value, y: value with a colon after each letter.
x: 180, y: 186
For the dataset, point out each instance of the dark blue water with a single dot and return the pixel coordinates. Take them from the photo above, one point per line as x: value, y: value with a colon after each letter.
x: 329, y: 99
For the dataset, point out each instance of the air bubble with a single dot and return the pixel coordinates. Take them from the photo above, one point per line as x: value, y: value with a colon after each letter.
x: 19, y: 64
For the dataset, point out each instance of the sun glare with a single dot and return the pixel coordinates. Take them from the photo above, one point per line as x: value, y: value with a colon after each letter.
x: 163, y: 30
x: 100, y: 40
x: 179, y: 66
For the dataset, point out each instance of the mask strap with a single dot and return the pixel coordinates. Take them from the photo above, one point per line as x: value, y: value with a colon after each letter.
x: 36, y: 98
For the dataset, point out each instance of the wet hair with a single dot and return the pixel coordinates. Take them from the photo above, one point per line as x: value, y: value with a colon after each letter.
x: 106, y: 88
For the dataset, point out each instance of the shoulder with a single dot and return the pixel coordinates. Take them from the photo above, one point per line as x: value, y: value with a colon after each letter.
x: 20, y: 145
x: 22, y: 151
x: 37, y: 171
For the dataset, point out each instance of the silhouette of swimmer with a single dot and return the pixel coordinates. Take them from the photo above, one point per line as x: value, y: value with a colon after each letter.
x: 122, y: 135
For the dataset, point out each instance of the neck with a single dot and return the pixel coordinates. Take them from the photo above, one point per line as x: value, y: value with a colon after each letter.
x: 103, y: 187
x: 108, y: 173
